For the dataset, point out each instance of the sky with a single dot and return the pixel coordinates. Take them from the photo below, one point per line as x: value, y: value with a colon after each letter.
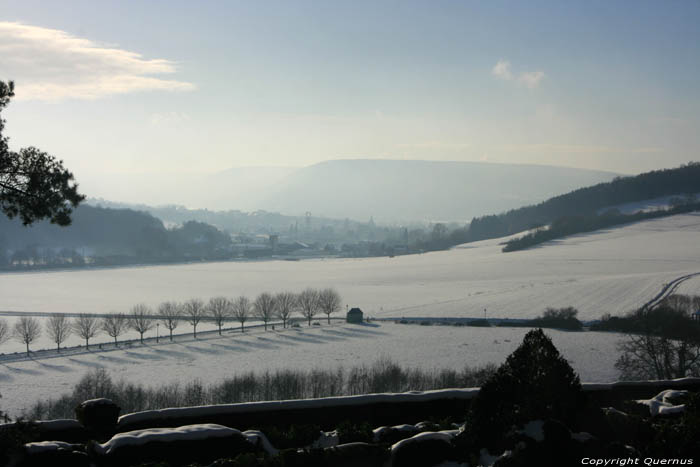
x: 166, y: 87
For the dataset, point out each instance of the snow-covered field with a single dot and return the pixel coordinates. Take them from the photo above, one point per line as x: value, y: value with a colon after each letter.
x: 211, y: 359
x: 610, y: 271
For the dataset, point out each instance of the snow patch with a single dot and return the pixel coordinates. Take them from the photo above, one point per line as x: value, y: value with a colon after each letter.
x: 47, y: 446
x: 486, y: 459
x: 183, y: 433
x: 420, y: 437
x: 258, y: 438
x: 662, y: 403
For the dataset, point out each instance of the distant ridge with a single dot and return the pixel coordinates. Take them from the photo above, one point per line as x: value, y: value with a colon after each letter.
x: 402, y: 190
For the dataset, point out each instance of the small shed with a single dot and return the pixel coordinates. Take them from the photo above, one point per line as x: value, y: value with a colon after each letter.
x: 696, y: 315
x: 354, y: 315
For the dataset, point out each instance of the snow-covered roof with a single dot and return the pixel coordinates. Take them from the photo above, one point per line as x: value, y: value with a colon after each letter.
x: 47, y: 446
x: 669, y: 383
x: 327, y: 402
x: 183, y: 433
x: 425, y: 436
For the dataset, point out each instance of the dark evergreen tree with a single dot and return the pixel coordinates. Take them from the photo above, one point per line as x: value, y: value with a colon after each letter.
x: 33, y: 184
x: 535, y: 382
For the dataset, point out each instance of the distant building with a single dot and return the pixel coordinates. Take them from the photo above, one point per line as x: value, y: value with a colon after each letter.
x: 354, y: 315
x: 696, y: 315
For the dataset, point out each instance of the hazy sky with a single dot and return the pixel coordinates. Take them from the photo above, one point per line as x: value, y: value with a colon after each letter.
x: 173, y: 86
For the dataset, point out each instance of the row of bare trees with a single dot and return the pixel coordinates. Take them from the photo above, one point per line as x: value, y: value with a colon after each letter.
x: 220, y: 310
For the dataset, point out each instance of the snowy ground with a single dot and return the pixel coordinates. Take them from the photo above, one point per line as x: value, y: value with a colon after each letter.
x: 609, y: 271
x: 213, y: 358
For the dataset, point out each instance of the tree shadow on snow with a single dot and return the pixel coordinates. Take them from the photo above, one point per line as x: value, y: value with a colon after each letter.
x: 234, y: 348
x: 25, y: 371
x: 199, y: 349
x: 142, y: 356
x: 115, y: 359
x: 172, y: 353
x: 59, y: 368
x: 86, y: 363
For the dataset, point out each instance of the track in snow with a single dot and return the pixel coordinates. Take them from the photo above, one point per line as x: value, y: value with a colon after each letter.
x: 667, y: 290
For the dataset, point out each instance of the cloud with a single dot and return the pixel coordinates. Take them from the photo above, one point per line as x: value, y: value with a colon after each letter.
x: 168, y: 118
x: 50, y: 65
x: 529, y: 79
x: 502, y: 70
x: 437, y: 145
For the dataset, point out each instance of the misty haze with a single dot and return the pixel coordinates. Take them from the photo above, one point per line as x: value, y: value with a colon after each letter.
x: 349, y: 234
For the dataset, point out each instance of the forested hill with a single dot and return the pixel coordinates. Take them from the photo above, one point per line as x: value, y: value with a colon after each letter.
x: 588, y: 201
x: 113, y: 236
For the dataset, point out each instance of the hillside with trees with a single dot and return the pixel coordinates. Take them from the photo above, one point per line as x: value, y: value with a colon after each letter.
x: 586, y: 202
x: 101, y: 236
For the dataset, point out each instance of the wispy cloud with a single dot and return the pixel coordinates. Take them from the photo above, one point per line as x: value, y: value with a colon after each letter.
x: 168, y: 118
x: 530, y: 79
x: 502, y: 70
x: 50, y: 64
x: 436, y: 145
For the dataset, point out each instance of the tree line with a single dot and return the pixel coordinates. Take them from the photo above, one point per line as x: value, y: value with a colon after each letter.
x: 383, y: 375
x: 142, y: 318
x: 570, y: 225
x: 587, y: 201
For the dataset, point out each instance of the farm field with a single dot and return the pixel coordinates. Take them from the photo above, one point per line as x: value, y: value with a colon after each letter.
x: 609, y: 271
x: 214, y: 358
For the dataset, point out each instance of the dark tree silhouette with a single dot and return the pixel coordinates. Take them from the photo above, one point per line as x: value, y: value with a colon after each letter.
x: 329, y: 301
x: 664, y: 342
x: 264, y: 307
x: 140, y: 320
x: 169, y: 313
x: 285, y: 304
x: 195, y: 312
x: 115, y: 325
x: 241, y: 310
x: 58, y: 328
x: 219, y: 309
x: 27, y: 330
x: 4, y: 331
x: 86, y: 326
x: 308, y: 303
x: 535, y: 382
x: 33, y: 184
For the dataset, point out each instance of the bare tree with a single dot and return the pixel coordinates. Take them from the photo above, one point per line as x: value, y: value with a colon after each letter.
x: 58, y: 329
x: 308, y: 303
x: 264, y: 307
x: 241, y: 310
x: 665, y: 343
x: 285, y: 304
x: 115, y: 325
x: 169, y: 313
x: 329, y: 301
x: 86, y: 326
x: 4, y: 331
x: 140, y: 320
x: 27, y: 330
x: 195, y: 312
x: 220, y: 310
